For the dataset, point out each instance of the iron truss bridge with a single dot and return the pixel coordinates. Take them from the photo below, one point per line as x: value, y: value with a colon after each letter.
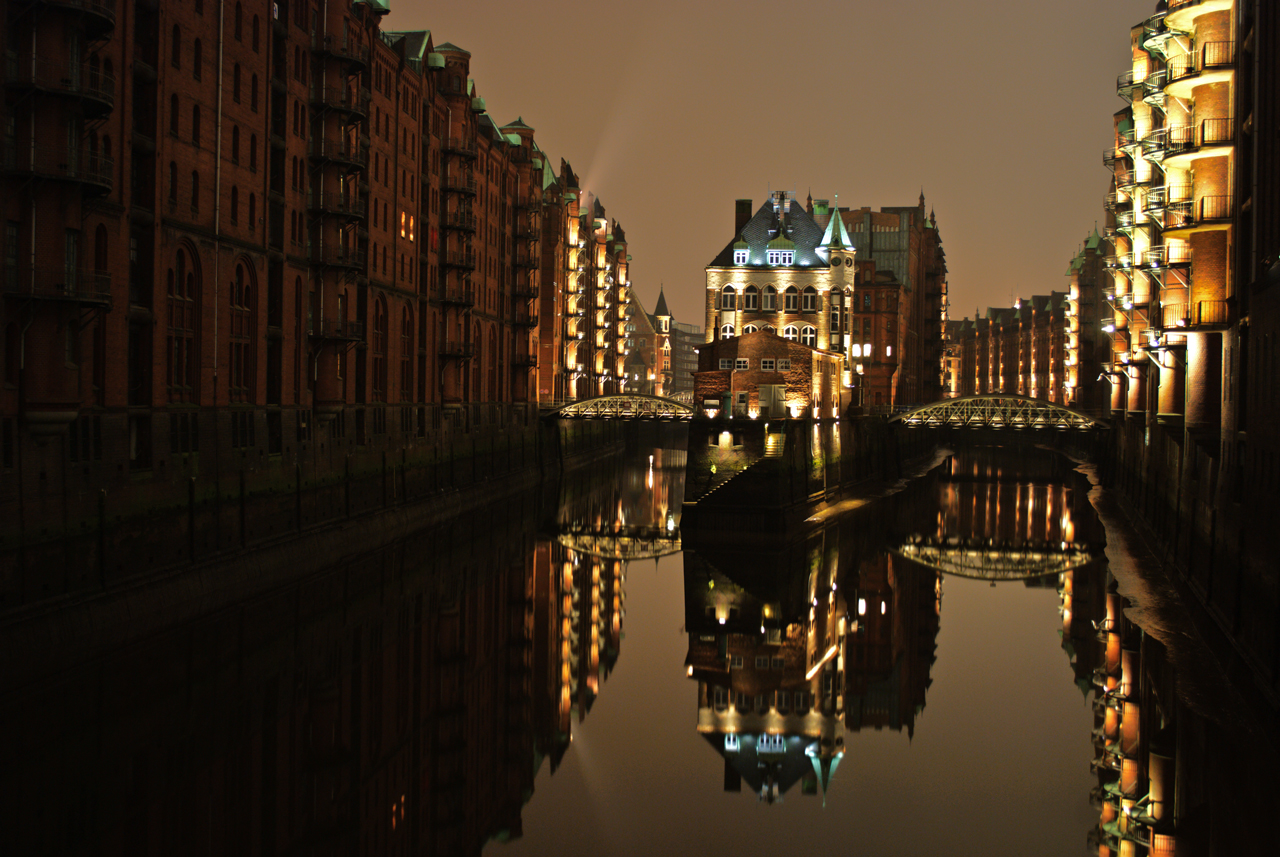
x: 1005, y: 411
x: 626, y: 543
x: 981, y: 559
x: 626, y: 407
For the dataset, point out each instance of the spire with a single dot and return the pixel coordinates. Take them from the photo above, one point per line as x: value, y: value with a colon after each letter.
x: 809, y: 202
x: 836, y: 237
x: 660, y: 308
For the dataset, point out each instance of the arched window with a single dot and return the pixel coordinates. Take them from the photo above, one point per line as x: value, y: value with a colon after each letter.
x: 253, y: 212
x: 750, y: 328
x: 197, y: 55
x: 235, y: 144
x: 751, y: 298
x: 380, y: 349
x: 809, y: 336
x: 241, y: 335
x: 173, y: 182
x: 195, y: 190
x: 253, y: 93
x: 789, y: 332
x: 406, y: 354
x: 253, y: 153
x: 792, y: 298
x: 175, y: 49
x: 182, y: 358
x: 100, y: 249
x: 235, y: 204
x: 726, y: 331
x: 866, y: 300
x: 728, y: 298
x: 235, y: 83
x: 770, y: 298
x: 12, y: 354
x: 239, y: 18
x: 255, y: 33
x: 810, y: 299
x: 173, y: 114
x: 195, y: 124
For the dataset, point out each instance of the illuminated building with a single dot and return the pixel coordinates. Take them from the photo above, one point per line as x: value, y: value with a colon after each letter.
x: 268, y: 243
x: 1194, y: 304
x: 868, y: 286
x: 761, y: 374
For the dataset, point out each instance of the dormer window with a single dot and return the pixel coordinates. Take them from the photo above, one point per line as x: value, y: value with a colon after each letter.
x: 782, y: 257
x: 740, y: 257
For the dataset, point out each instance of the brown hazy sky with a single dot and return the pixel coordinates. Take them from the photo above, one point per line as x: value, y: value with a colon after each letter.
x: 670, y: 110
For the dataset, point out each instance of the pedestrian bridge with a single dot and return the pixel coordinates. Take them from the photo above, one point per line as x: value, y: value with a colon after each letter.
x: 985, y: 559
x: 623, y: 407
x: 998, y: 412
x: 624, y: 543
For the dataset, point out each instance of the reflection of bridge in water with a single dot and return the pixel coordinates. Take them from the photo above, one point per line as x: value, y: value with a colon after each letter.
x: 987, y: 559
x: 996, y: 412
x: 624, y: 543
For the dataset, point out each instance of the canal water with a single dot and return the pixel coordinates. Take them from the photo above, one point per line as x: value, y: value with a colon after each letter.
x: 945, y: 665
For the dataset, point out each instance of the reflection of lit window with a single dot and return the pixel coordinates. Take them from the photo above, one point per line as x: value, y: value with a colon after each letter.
x: 402, y: 230
x: 731, y: 743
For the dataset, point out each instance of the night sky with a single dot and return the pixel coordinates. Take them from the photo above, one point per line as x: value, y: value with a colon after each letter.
x: 669, y: 111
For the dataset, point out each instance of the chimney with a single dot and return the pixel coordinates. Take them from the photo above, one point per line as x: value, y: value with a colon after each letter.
x: 741, y: 214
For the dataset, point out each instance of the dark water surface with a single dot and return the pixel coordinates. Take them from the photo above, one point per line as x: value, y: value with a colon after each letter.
x: 948, y: 669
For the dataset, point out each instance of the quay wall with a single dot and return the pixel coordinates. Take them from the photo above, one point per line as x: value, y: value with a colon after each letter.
x: 320, y: 503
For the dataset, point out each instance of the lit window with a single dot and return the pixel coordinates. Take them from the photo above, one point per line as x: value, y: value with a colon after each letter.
x: 856, y: 350
x: 790, y: 332
x: 888, y: 351
x: 726, y: 332
x: 402, y: 222
x: 809, y: 336
x: 740, y: 257
x: 782, y: 257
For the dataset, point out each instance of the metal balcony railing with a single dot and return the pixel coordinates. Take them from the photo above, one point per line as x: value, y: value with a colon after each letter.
x: 460, y: 146
x: 343, y: 48
x: 57, y: 284
x: 463, y: 184
x: 99, y: 16
x: 348, y: 99
x: 93, y: 86
x: 339, y: 149
x: 80, y: 165
x: 1167, y: 256
x: 1195, y: 314
x: 1119, y: 260
x: 1206, y: 209
x: 459, y: 295
x: 453, y: 348
x: 1181, y: 139
x: 524, y: 317
x: 337, y: 328
x: 336, y: 257
x: 464, y: 259
x: 524, y: 361
x: 460, y: 220
x: 1127, y: 83
x: 525, y: 291
x: 333, y: 202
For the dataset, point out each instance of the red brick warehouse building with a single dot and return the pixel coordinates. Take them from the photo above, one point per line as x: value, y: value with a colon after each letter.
x: 256, y: 236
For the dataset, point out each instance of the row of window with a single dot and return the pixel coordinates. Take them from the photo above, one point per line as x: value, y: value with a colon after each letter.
x: 793, y: 299
x: 808, y: 334
x: 767, y: 364
x: 782, y: 701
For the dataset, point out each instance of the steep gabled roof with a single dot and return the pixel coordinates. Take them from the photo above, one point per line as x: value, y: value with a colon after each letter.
x: 660, y: 308
x: 796, y: 225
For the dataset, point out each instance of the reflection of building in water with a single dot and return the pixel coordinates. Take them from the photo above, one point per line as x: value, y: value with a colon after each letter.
x: 577, y: 632
x: 1178, y: 770
x: 798, y: 645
